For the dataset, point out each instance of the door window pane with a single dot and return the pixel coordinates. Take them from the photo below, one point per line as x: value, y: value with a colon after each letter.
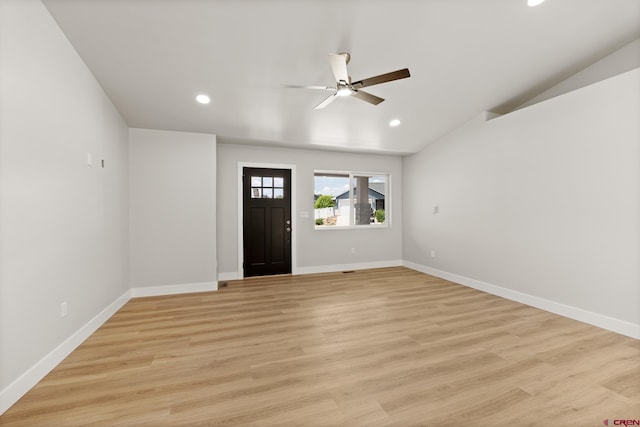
x: 267, y: 187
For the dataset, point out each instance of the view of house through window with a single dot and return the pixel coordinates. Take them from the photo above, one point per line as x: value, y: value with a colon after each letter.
x: 343, y: 199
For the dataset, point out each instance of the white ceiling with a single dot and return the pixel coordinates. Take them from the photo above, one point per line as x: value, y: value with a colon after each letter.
x: 465, y: 57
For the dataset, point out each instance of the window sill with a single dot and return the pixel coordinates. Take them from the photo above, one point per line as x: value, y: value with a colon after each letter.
x: 352, y: 227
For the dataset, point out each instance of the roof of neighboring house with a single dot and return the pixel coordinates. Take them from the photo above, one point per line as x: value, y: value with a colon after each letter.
x: 377, y: 187
x: 373, y: 191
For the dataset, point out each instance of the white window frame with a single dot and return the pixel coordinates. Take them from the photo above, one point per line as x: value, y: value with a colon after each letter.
x: 352, y: 175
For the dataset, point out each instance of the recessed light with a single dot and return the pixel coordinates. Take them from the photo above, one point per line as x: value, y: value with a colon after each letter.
x: 203, y: 99
x: 395, y: 122
x: 533, y: 3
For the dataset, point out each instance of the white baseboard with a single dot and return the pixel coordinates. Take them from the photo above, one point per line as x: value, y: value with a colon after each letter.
x: 346, y: 267
x: 18, y: 388
x: 323, y: 269
x: 186, y: 288
x: 234, y: 275
x: 600, y: 320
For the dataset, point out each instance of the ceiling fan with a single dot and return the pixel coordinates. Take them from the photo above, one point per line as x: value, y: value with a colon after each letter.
x: 344, y: 86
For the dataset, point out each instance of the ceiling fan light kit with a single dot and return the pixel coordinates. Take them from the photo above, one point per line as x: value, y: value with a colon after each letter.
x: 344, y: 86
x: 203, y: 99
x: 343, y: 91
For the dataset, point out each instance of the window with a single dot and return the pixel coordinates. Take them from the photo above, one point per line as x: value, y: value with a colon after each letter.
x: 267, y: 187
x: 350, y: 199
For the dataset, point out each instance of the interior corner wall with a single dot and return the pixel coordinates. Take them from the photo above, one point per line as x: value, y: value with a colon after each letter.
x: 542, y: 204
x: 172, y: 212
x: 63, y: 222
x: 316, y: 250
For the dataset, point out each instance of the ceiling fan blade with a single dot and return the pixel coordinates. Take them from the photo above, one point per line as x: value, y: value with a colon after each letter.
x: 309, y: 87
x: 365, y: 96
x: 339, y: 67
x: 326, y: 102
x: 382, y: 78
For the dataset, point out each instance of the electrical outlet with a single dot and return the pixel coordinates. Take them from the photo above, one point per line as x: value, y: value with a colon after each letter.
x: 353, y: 250
x: 435, y: 209
x: 433, y: 253
x: 63, y: 309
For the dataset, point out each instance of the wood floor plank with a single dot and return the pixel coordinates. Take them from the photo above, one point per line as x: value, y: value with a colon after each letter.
x: 381, y: 347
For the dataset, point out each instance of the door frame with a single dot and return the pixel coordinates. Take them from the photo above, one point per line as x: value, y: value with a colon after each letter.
x: 294, y: 228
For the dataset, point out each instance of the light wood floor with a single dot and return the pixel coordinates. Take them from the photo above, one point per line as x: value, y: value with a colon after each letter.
x: 377, y: 347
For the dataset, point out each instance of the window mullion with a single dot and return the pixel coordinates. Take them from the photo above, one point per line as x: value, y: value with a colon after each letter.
x: 352, y: 206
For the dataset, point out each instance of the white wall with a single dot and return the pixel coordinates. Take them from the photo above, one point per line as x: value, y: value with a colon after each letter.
x: 542, y: 204
x: 173, y: 211
x: 316, y: 250
x: 63, y: 224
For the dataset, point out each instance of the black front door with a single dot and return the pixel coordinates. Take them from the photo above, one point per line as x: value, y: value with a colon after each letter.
x: 266, y: 221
